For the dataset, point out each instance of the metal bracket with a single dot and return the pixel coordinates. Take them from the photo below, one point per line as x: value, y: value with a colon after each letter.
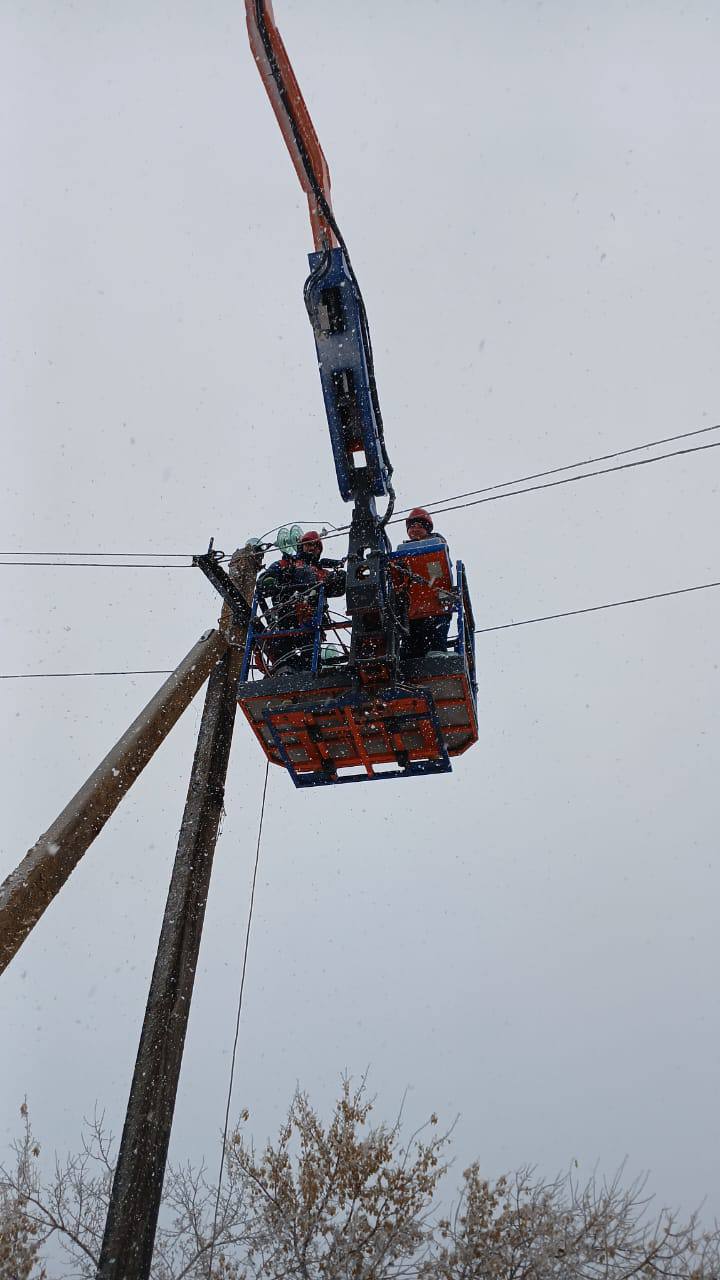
x: 209, y: 562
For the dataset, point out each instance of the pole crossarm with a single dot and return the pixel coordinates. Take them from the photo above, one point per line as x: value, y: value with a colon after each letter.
x: 28, y: 890
x: 229, y: 589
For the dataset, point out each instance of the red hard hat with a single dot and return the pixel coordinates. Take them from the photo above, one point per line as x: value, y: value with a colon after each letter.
x: 311, y: 536
x: 421, y: 515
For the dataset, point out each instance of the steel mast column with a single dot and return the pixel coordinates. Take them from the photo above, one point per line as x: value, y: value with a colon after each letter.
x: 135, y: 1200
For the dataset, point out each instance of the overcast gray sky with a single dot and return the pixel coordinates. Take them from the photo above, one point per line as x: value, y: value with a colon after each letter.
x: 531, y: 198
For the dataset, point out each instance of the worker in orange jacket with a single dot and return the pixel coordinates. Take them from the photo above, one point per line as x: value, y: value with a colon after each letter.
x: 426, y: 635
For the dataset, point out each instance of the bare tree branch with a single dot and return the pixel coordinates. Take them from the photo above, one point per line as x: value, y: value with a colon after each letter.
x: 349, y: 1200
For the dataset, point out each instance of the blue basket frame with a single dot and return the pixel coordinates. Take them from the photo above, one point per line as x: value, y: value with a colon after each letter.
x: 465, y: 641
x: 314, y: 627
x: 463, y: 644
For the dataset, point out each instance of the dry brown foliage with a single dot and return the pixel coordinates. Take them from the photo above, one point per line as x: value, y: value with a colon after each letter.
x: 20, y: 1240
x: 524, y: 1228
x: 348, y: 1200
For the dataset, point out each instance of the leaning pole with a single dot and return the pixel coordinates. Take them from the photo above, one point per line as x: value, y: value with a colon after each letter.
x: 31, y: 887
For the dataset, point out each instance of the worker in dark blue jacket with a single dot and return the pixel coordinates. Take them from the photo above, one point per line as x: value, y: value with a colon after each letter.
x: 330, y: 572
x: 288, y: 591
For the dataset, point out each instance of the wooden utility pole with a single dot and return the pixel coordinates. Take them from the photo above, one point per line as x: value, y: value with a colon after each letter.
x: 29, y: 889
x: 137, y: 1187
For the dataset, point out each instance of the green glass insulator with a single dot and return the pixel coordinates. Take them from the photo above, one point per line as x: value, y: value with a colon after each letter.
x: 288, y: 538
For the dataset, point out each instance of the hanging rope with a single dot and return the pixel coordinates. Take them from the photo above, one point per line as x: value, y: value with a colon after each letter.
x: 237, y: 1022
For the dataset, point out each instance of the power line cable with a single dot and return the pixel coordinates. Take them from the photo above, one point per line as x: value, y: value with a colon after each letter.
x: 82, y: 564
x: 595, y: 608
x: 552, y: 484
x: 336, y: 531
x: 339, y: 532
x: 585, y: 475
x: 237, y: 1019
x: 66, y: 675
x: 480, y: 631
x: 538, y: 475
x: 585, y: 462
x: 137, y: 555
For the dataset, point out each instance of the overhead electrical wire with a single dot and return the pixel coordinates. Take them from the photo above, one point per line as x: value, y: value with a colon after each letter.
x: 66, y: 675
x: 536, y: 475
x: 398, y: 519
x: 584, y: 462
x: 585, y: 475
x: 595, y: 608
x: 479, y: 631
x: 435, y: 504
x: 84, y: 564
x: 136, y: 555
x: 552, y: 484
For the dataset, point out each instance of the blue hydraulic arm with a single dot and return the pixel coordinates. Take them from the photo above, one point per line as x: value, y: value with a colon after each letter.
x: 337, y: 312
x: 335, y: 308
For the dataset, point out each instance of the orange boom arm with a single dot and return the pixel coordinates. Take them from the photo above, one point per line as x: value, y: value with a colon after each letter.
x: 293, y: 117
